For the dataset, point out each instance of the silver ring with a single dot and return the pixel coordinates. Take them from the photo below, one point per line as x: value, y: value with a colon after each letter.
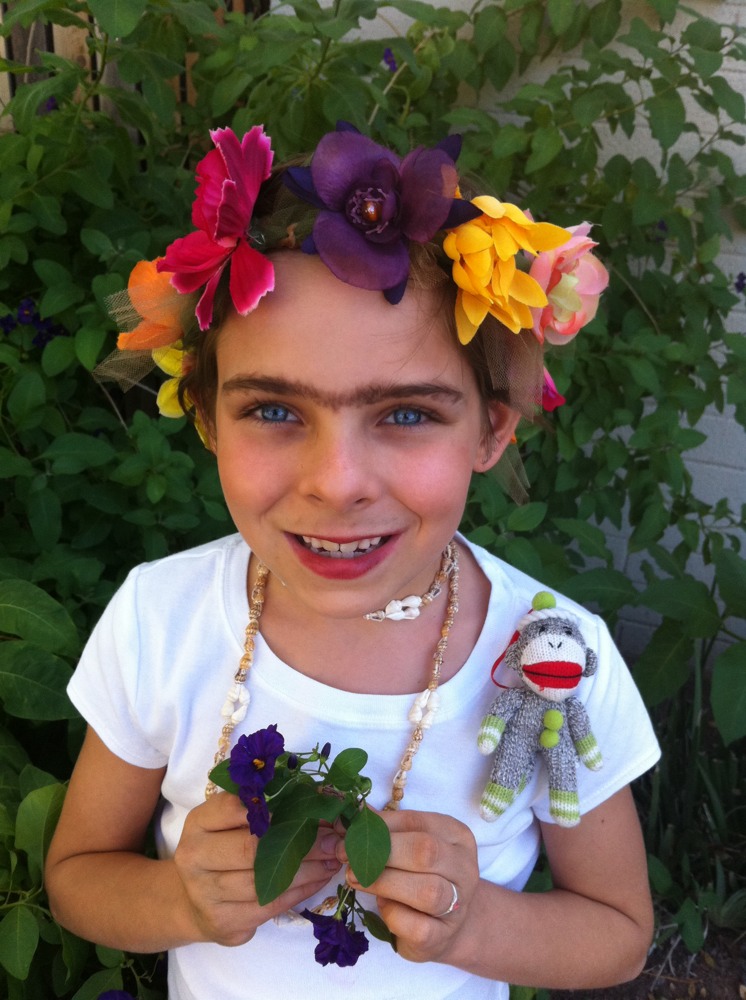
x: 454, y: 902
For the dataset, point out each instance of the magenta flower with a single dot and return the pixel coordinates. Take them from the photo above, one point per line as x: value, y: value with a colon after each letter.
x: 373, y: 203
x: 252, y: 761
x: 338, y: 944
x: 573, y: 280
x: 551, y: 398
x: 228, y: 182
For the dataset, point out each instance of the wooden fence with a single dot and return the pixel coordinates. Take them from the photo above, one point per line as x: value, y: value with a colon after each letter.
x: 24, y: 45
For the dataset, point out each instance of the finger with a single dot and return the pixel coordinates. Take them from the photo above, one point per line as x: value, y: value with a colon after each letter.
x: 221, y: 811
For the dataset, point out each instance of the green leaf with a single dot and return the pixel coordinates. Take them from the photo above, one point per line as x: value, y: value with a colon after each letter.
x: 19, y: 937
x: 728, y: 692
x: 546, y: 145
x: 663, y: 668
x: 72, y: 453
x: 100, y: 982
x: 346, y: 767
x: 605, y: 20
x: 592, y: 539
x: 58, y: 355
x: 607, y: 587
x: 686, y: 601
x: 12, y: 465
x: 374, y: 924
x: 219, y: 776
x: 30, y: 613
x: 278, y: 856
x: 26, y: 401
x: 730, y: 100
x: 561, y: 14
x: 33, y: 683
x: 654, y: 521
x: 527, y: 517
x: 730, y: 573
x: 35, y: 823
x: 667, y: 117
x: 118, y: 18
x: 306, y: 801
x: 45, y: 517
x: 368, y: 845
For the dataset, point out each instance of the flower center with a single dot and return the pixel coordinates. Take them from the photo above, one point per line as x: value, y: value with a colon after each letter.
x: 365, y: 209
x: 258, y: 763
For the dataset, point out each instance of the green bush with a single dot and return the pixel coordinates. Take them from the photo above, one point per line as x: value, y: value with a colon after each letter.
x: 96, y: 172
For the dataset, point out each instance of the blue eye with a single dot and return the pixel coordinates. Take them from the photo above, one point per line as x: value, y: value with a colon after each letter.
x: 273, y: 413
x: 407, y: 416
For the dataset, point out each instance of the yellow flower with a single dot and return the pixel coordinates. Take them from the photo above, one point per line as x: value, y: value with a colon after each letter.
x: 171, y: 361
x: 483, y: 252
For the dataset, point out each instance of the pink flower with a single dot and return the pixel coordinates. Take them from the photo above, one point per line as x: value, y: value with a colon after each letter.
x: 228, y: 182
x: 573, y: 280
x: 550, y: 397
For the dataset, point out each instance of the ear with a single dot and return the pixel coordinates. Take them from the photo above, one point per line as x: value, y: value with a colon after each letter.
x: 502, y: 424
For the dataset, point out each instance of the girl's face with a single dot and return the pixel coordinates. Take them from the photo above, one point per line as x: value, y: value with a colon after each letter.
x: 346, y: 431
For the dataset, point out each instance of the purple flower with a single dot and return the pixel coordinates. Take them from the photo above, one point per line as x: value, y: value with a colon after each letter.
x: 8, y: 323
x: 338, y: 944
x: 115, y: 995
x: 252, y: 763
x: 741, y: 282
x: 390, y: 59
x: 373, y: 203
x: 27, y: 311
x: 46, y: 331
x: 257, y: 810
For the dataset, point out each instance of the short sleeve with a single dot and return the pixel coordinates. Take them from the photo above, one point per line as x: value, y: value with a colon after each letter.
x: 109, y: 685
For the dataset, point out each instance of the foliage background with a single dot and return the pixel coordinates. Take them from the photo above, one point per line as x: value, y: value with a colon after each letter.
x: 97, y: 172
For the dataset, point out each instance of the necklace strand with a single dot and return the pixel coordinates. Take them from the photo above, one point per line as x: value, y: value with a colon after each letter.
x: 425, y: 704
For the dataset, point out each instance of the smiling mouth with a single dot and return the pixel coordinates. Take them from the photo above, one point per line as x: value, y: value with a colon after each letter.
x: 342, y: 550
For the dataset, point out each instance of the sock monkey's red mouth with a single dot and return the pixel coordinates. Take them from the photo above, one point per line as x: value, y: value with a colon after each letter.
x: 554, y: 673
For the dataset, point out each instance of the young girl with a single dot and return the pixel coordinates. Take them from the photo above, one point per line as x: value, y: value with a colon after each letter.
x: 347, y: 413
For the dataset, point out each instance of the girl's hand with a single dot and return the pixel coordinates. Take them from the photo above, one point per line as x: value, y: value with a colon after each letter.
x: 215, y: 862
x: 430, y: 855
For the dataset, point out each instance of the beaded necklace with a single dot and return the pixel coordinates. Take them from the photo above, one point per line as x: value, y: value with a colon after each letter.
x: 425, y: 704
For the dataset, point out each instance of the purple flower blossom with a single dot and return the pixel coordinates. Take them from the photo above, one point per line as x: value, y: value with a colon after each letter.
x: 8, y: 323
x: 373, y: 204
x: 338, y: 944
x: 741, y: 282
x: 257, y: 811
x: 252, y: 763
x: 51, y: 105
x: 27, y: 312
x: 115, y: 995
x: 46, y: 330
x: 389, y: 59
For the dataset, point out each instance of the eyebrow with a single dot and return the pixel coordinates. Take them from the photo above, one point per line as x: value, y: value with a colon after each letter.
x: 363, y: 396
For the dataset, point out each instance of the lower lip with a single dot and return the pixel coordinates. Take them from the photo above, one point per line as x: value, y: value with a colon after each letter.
x: 340, y: 569
x: 562, y: 675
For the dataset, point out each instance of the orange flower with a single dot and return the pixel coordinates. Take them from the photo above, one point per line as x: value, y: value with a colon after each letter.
x: 161, y: 307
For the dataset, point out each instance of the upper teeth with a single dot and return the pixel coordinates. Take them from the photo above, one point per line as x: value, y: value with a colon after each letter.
x: 341, y: 548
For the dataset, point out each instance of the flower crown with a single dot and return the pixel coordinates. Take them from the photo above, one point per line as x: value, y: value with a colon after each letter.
x: 368, y: 208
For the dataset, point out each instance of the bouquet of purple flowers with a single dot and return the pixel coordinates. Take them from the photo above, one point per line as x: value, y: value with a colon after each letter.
x: 287, y: 795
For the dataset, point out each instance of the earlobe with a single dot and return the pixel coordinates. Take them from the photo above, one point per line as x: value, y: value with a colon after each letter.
x: 502, y: 424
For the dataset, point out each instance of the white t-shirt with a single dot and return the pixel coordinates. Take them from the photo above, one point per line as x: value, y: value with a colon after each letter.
x: 153, y: 679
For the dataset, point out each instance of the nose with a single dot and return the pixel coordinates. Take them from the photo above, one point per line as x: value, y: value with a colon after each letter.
x: 337, y: 469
